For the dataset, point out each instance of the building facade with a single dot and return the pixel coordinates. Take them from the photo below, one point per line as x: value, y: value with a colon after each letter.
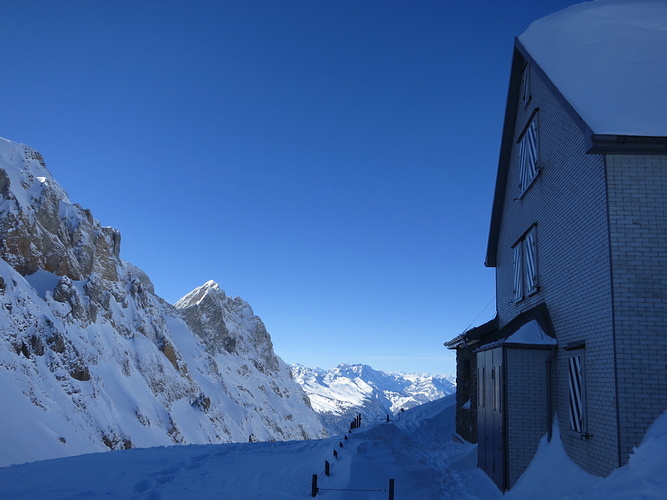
x: 579, y: 232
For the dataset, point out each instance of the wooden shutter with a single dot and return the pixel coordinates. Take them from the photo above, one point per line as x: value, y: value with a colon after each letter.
x: 531, y: 262
x: 528, y: 155
x: 525, y: 85
x: 518, y: 272
x: 576, y: 399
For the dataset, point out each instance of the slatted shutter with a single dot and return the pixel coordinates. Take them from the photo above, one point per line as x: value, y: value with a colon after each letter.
x: 518, y: 272
x: 531, y: 262
x: 528, y: 155
x: 525, y: 85
x: 576, y: 399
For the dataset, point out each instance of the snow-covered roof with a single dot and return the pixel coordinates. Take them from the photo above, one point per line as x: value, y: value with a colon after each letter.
x: 609, y: 60
x: 531, y: 333
x: 528, y: 334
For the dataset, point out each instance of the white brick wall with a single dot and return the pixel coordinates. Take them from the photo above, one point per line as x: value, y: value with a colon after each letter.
x: 567, y: 201
x: 526, y: 396
x: 637, y: 188
x: 601, y: 225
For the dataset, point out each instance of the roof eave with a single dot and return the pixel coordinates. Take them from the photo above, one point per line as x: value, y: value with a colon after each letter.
x: 627, y: 144
x: 474, y: 335
x: 519, y: 59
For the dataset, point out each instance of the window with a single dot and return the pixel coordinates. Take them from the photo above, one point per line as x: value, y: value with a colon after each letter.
x: 528, y: 154
x: 525, y: 265
x: 525, y: 86
x: 575, y: 391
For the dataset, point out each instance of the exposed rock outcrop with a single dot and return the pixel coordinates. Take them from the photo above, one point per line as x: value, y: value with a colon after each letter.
x: 91, y: 359
x: 228, y: 325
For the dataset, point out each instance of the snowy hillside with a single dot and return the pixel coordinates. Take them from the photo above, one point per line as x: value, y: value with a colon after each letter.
x: 338, y: 395
x: 417, y: 452
x: 91, y: 359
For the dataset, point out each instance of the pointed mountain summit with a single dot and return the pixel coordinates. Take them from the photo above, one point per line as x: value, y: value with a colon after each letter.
x: 92, y: 360
x: 228, y: 325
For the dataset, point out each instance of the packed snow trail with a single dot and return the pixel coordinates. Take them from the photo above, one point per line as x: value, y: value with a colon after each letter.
x: 368, y: 459
x: 416, y: 451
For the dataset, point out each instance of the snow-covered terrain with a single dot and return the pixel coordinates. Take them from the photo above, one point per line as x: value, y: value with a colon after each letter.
x: 416, y: 451
x: 339, y: 394
x: 91, y: 359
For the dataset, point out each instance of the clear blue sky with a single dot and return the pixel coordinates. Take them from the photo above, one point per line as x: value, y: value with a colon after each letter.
x: 331, y: 162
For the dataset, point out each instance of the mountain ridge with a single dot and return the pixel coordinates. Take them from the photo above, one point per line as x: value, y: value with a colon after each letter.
x: 92, y: 360
x: 339, y: 394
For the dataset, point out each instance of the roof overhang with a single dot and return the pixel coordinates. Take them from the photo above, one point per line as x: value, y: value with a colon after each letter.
x: 597, y: 143
x: 474, y: 336
x: 530, y: 329
x: 627, y: 144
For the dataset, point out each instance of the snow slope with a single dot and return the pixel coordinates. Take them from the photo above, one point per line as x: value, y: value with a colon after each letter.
x: 92, y: 360
x: 339, y: 394
x: 417, y: 452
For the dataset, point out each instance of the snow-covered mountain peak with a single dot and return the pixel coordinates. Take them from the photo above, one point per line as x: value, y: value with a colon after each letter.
x: 359, y: 371
x: 25, y: 176
x: 339, y: 394
x: 199, y: 294
x: 228, y: 325
x: 91, y: 359
x: 40, y: 228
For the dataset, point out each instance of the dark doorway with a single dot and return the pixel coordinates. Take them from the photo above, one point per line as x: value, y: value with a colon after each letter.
x: 490, y: 415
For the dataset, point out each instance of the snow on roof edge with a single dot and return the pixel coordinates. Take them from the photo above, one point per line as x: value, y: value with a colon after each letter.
x: 607, y: 58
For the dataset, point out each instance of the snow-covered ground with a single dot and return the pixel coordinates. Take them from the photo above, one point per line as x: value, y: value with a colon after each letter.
x: 416, y: 451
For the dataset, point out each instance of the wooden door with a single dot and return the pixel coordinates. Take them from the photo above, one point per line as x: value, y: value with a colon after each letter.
x: 491, y: 455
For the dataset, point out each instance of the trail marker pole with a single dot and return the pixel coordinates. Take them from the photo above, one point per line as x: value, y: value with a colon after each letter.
x: 314, y: 486
x: 391, y: 489
x: 327, y: 468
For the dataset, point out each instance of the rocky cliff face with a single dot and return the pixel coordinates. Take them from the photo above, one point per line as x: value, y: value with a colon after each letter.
x: 41, y: 229
x: 91, y: 359
x: 229, y: 326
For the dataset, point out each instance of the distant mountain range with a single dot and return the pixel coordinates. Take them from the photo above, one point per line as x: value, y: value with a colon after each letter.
x: 339, y: 394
